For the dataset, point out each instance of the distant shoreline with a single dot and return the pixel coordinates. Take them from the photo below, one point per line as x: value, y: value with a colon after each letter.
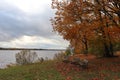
x: 31, y: 49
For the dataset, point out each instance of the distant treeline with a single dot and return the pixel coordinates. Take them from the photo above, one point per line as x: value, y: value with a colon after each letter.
x: 31, y: 49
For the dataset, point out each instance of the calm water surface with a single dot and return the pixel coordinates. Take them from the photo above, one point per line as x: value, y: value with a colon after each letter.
x: 8, y: 56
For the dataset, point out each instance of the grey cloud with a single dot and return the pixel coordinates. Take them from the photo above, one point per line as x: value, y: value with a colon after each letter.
x: 14, y: 23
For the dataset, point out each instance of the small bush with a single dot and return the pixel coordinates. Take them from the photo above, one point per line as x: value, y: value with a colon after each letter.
x: 59, y: 56
x: 40, y: 60
x: 96, y: 47
x: 25, y: 57
x: 116, y: 46
x: 69, y: 51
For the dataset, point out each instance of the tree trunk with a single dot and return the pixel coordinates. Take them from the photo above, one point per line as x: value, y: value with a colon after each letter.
x: 85, y: 44
x: 110, y: 46
x: 86, y: 48
x: 106, y: 48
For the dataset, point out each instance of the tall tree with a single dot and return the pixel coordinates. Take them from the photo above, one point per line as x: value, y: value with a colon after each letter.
x: 107, y: 18
x: 82, y: 20
x: 69, y: 23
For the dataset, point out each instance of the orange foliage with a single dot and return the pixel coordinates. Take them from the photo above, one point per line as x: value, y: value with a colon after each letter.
x: 79, y: 21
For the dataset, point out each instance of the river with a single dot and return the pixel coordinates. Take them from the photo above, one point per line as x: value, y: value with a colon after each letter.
x: 8, y: 56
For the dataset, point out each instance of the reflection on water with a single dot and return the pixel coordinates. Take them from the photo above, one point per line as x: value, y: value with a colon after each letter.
x: 8, y: 56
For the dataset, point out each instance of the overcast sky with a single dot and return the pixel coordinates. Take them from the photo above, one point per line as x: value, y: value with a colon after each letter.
x: 26, y: 24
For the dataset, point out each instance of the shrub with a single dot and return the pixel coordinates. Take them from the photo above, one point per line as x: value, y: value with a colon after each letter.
x: 25, y: 57
x: 40, y: 60
x: 96, y: 47
x: 116, y: 46
x: 68, y: 51
x: 59, y: 56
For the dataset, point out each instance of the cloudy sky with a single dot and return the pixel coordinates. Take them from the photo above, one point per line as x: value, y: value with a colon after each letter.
x: 26, y: 24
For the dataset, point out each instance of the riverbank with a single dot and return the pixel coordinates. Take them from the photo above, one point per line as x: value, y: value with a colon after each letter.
x: 98, y: 69
x: 36, y: 71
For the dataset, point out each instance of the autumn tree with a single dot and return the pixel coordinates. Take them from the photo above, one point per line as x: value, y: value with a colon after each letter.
x: 71, y: 23
x: 109, y: 21
x: 80, y: 21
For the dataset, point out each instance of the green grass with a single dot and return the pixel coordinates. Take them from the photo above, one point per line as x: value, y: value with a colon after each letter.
x: 48, y: 71
x: 37, y: 71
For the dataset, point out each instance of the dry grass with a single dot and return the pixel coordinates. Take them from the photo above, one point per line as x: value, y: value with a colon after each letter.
x: 98, y: 69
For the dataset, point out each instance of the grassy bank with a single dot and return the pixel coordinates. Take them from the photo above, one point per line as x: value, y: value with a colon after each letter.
x: 98, y: 69
x: 37, y: 71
